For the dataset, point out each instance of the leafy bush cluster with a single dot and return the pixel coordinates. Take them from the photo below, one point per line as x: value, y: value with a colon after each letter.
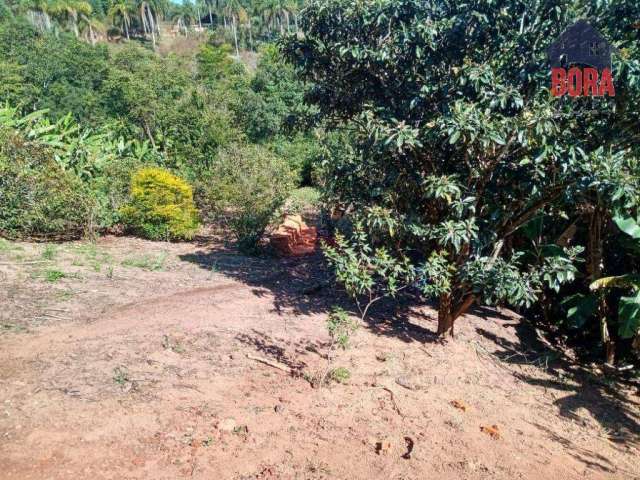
x: 38, y: 198
x: 161, y: 206
x: 465, y: 181
x: 245, y: 189
x: 96, y: 115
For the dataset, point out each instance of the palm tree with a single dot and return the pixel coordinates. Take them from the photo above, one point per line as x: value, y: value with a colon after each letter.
x: 67, y: 11
x: 120, y: 13
x: 234, y: 9
x: 147, y: 19
x: 90, y: 26
x: 38, y: 13
x: 183, y: 15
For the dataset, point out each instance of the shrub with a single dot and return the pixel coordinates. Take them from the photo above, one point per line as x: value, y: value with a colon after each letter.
x: 303, y: 199
x: 443, y: 173
x: 340, y: 375
x: 37, y: 197
x: 161, y: 206
x: 245, y: 189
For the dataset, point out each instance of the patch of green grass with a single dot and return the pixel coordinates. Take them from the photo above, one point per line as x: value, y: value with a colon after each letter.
x: 49, y: 252
x: 302, y: 199
x: 92, y: 256
x: 340, y: 375
x: 153, y: 263
x: 6, y: 246
x: 87, y: 250
x: 53, y: 275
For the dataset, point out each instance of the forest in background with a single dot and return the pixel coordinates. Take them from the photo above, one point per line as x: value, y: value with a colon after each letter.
x: 454, y: 170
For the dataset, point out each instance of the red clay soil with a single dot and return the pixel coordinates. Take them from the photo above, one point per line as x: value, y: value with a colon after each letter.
x: 162, y: 388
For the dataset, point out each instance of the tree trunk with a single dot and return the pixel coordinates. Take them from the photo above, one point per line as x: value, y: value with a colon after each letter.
x: 74, y: 17
x: 609, y: 345
x: 448, y: 313
x: 143, y: 18
x: 445, y: 316
x: 595, y: 247
x: 235, y: 35
x: 210, y: 18
x: 152, y: 27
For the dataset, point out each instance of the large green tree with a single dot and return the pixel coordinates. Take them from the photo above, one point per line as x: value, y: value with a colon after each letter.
x: 455, y: 143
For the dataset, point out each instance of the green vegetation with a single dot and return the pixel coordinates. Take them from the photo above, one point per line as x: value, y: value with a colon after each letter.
x: 153, y: 263
x: 429, y: 124
x: 245, y: 189
x: 340, y: 375
x: 340, y: 328
x: 466, y: 181
x: 161, y: 206
x: 53, y: 275
x: 83, y: 115
x: 49, y: 252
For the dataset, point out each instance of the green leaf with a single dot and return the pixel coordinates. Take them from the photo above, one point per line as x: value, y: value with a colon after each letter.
x: 621, y: 281
x: 628, y: 225
x: 582, y: 308
x: 629, y: 316
x: 455, y: 137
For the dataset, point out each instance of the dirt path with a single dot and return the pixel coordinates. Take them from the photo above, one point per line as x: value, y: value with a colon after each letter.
x: 161, y: 387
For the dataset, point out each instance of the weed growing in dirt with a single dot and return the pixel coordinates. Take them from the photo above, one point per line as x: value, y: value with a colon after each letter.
x: 53, y: 275
x: 12, y: 327
x: 120, y: 376
x: 340, y: 328
x: 92, y: 255
x: 5, y: 245
x: 147, y: 262
x: 340, y: 375
x: 49, y: 252
x: 176, y: 347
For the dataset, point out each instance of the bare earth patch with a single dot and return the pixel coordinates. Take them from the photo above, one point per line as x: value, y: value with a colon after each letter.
x: 128, y: 360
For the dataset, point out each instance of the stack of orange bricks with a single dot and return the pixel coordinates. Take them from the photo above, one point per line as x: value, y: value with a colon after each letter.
x: 294, y: 237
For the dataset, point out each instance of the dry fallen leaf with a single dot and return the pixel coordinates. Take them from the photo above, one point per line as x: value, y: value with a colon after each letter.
x: 492, y: 431
x: 459, y: 404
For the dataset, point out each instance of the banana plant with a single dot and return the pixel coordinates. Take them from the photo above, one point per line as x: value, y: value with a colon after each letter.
x: 629, y: 307
x: 583, y: 308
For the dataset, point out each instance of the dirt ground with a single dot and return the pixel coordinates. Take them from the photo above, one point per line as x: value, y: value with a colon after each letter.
x: 128, y: 359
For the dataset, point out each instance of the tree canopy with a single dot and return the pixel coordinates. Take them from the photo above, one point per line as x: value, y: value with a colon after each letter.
x: 457, y: 143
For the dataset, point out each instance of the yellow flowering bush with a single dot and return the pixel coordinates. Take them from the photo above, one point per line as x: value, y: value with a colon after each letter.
x: 161, y: 206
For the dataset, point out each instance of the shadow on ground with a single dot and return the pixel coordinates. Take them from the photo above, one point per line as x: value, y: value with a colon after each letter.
x: 604, y: 398
x: 303, y: 286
